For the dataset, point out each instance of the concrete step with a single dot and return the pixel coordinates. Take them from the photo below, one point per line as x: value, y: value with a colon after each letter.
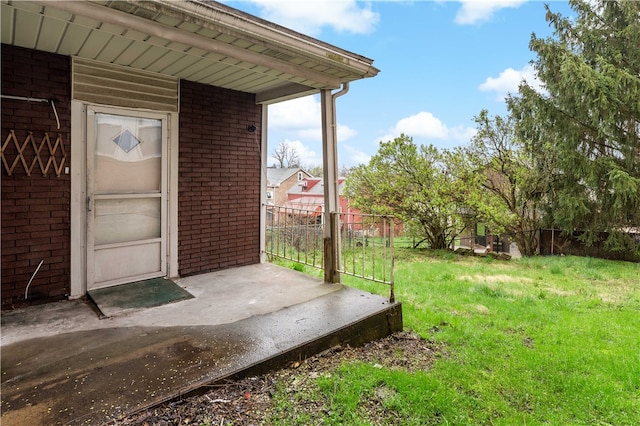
x: 99, y: 375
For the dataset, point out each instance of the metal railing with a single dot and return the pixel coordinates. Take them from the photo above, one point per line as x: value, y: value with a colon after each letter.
x: 366, y: 248
x: 295, y: 234
x: 365, y: 244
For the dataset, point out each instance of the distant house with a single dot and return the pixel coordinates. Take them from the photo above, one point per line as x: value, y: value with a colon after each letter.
x: 281, y: 180
x: 308, y: 197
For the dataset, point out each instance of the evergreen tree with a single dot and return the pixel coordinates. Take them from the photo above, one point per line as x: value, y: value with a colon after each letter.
x: 587, y: 120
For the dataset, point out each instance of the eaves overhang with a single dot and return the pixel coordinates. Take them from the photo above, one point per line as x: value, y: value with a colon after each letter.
x: 196, y: 40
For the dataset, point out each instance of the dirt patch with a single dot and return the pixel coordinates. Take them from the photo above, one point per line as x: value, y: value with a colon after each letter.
x: 249, y: 401
x: 558, y: 291
x: 496, y: 279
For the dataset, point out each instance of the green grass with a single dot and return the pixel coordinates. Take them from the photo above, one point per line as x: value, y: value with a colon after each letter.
x: 535, y: 341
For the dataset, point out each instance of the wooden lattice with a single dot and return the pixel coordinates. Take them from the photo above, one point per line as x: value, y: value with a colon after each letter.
x: 29, y: 153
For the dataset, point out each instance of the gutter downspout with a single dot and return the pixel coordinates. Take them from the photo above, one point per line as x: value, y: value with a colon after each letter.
x: 331, y: 185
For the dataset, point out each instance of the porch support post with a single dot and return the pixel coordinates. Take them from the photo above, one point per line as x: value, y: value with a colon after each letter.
x: 263, y: 183
x: 331, y: 193
x: 78, y: 275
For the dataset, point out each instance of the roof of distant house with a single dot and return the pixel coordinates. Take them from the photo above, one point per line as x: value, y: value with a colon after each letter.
x: 275, y: 176
x: 314, y: 186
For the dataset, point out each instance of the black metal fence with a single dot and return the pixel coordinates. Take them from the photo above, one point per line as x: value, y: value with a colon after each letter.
x: 295, y: 234
x: 365, y: 244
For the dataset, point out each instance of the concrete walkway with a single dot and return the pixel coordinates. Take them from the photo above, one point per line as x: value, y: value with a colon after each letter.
x: 63, y: 365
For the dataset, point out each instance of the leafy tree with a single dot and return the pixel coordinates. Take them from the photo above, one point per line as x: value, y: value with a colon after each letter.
x: 344, y: 171
x: 316, y: 171
x: 513, y: 183
x: 286, y: 156
x: 587, y: 121
x: 413, y: 183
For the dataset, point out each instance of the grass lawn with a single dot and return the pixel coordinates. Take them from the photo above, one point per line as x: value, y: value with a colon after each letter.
x: 544, y: 340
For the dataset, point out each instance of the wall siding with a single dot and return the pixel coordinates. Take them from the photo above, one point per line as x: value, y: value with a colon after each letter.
x: 219, y: 179
x: 35, y: 209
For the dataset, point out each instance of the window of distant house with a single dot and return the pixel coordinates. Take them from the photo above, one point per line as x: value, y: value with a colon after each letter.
x: 299, y: 176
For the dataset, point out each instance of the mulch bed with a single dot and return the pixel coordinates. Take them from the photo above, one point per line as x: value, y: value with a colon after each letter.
x: 249, y: 401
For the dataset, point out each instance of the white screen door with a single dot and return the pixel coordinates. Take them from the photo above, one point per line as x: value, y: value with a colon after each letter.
x: 126, y: 194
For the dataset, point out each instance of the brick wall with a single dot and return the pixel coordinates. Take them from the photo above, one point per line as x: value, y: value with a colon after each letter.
x: 35, y: 209
x: 219, y: 179
x: 282, y: 193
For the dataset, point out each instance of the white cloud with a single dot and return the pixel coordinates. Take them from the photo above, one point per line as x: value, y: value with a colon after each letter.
x: 424, y: 125
x: 309, y: 17
x: 345, y: 132
x: 475, y: 11
x: 315, y: 133
x: 298, y: 113
x: 302, y: 118
x: 355, y: 156
x: 306, y: 154
x: 509, y: 80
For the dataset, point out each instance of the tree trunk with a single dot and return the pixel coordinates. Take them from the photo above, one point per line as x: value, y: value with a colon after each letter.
x: 527, y: 242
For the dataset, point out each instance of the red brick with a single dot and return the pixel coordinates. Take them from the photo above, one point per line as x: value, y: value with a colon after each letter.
x: 212, y: 128
x: 28, y: 202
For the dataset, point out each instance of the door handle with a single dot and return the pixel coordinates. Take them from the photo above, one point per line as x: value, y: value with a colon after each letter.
x: 90, y: 203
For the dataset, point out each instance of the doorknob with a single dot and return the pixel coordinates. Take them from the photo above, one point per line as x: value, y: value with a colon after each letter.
x: 90, y: 203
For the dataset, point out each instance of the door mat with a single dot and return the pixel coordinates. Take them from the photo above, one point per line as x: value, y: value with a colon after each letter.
x: 115, y: 300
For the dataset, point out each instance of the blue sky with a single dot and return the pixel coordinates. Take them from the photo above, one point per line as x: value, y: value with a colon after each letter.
x: 440, y: 62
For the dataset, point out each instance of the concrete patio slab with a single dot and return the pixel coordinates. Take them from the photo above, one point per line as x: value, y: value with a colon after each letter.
x: 63, y: 365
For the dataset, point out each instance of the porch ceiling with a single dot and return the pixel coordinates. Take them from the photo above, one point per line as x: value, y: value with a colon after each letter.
x: 196, y: 40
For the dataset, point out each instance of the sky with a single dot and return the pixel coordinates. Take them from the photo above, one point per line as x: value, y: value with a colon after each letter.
x: 440, y: 62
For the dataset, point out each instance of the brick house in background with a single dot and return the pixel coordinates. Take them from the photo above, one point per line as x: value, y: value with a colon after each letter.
x: 281, y: 180
x: 309, y: 196
x: 134, y: 139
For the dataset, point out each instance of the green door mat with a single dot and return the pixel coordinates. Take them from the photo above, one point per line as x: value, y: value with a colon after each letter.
x: 136, y: 295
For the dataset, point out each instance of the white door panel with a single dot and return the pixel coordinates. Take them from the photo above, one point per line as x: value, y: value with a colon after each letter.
x: 126, y: 196
x: 112, y: 264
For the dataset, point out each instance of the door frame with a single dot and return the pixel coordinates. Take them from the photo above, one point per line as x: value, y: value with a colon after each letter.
x: 78, y: 172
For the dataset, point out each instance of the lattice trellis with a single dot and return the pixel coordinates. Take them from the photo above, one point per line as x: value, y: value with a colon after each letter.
x: 29, y: 153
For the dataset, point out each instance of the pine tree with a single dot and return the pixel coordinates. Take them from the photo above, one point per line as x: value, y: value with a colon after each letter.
x: 587, y: 120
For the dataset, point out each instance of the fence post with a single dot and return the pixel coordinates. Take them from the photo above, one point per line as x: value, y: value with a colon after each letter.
x: 392, y: 294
